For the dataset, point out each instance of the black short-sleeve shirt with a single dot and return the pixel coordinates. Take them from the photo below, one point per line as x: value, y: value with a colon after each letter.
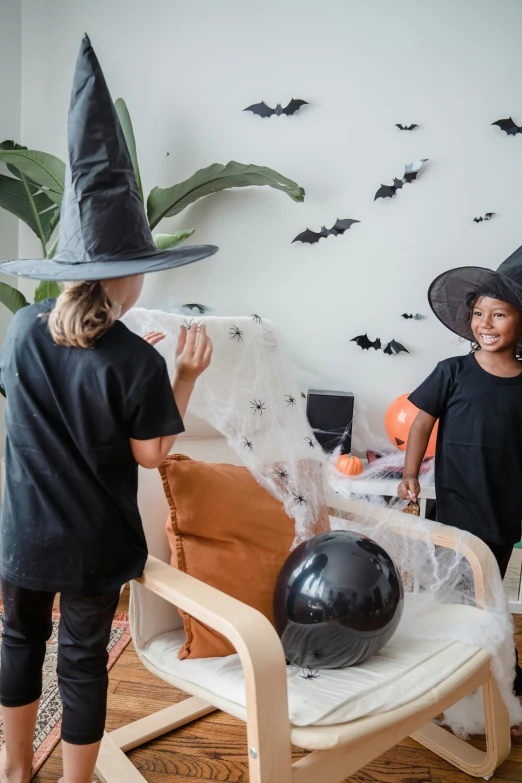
x: 70, y: 519
x: 478, y: 464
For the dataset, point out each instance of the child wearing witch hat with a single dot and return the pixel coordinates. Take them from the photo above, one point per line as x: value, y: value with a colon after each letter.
x: 478, y: 401
x: 87, y: 401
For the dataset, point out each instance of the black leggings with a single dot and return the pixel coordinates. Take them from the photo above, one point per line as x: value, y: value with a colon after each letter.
x: 83, y: 636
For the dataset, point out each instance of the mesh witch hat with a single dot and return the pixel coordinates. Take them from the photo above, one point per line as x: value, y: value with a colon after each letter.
x: 104, y: 231
x: 448, y: 293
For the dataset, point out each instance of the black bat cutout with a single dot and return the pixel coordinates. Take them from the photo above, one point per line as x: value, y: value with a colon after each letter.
x: 508, y: 126
x: 365, y: 343
x: 391, y: 348
x: 339, y: 227
x: 405, y: 127
x: 416, y: 317
x: 411, y: 171
x: 487, y: 216
x: 265, y: 111
x: 394, y: 348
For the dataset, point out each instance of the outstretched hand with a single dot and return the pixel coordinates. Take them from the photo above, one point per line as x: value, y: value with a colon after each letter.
x: 152, y: 338
x: 193, y: 353
x: 409, y: 489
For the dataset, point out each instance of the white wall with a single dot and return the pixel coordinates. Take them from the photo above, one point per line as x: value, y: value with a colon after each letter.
x: 10, y: 107
x: 187, y: 70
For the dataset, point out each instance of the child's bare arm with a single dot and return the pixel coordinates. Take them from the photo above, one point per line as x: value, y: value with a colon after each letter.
x: 193, y: 355
x: 418, y: 439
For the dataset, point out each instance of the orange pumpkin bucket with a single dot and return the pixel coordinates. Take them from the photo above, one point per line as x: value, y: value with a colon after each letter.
x: 349, y: 465
x: 398, y: 420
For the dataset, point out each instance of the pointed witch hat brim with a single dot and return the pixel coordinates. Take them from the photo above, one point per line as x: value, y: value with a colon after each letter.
x: 104, y: 232
x: 451, y: 291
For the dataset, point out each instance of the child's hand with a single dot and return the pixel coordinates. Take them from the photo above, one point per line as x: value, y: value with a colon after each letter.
x: 153, y: 337
x: 193, y: 353
x: 409, y: 489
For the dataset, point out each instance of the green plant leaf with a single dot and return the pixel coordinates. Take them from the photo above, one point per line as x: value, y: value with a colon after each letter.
x: 12, y: 298
x: 44, y: 169
x: 128, y: 132
x: 199, y: 307
x: 29, y: 203
x: 12, y: 145
x: 52, y: 249
x: 165, y: 241
x: 165, y: 202
x: 47, y: 289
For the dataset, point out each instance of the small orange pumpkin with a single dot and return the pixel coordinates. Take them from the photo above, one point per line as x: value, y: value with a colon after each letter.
x: 350, y: 465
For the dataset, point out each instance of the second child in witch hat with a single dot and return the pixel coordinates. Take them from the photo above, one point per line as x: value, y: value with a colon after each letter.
x: 452, y: 292
x: 104, y: 232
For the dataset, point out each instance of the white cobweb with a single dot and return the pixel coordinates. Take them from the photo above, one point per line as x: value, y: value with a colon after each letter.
x: 250, y: 395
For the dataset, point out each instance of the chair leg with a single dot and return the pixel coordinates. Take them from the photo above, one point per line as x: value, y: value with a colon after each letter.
x: 113, y: 766
x: 461, y: 754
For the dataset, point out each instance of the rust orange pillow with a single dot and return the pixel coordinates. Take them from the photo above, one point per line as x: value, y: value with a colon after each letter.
x: 227, y: 531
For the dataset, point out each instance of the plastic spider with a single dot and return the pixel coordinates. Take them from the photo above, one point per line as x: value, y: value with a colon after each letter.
x: 317, y: 653
x: 299, y: 498
x: 281, y: 474
x: 310, y: 442
x: 247, y: 444
x: 188, y: 324
x: 290, y: 400
x: 257, y: 318
x: 257, y: 405
x: 235, y: 332
x: 312, y: 674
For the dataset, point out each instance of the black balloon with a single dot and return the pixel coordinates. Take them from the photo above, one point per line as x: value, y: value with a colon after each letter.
x: 338, y: 600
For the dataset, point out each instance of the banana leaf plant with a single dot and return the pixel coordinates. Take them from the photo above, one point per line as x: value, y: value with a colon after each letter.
x: 34, y: 192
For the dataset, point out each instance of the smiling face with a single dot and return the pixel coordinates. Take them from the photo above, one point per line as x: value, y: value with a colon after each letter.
x: 496, y: 325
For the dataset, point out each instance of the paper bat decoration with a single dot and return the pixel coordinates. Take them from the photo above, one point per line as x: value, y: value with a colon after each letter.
x: 365, y: 343
x: 416, y: 317
x: 405, y: 127
x: 394, y: 347
x: 487, y: 216
x: 311, y: 237
x: 265, y: 111
x: 510, y: 127
x: 390, y: 348
x: 410, y: 173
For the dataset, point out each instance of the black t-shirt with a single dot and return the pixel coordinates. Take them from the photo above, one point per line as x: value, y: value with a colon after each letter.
x: 478, y: 465
x: 70, y: 519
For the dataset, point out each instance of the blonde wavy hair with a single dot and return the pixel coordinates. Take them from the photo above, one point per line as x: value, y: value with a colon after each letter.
x: 83, y: 313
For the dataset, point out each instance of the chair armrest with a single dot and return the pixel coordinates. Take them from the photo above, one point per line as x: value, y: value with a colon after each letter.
x: 479, y: 556
x: 247, y: 629
x: 259, y: 649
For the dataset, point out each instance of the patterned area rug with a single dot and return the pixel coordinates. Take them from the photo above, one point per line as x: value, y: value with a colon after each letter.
x: 49, y: 719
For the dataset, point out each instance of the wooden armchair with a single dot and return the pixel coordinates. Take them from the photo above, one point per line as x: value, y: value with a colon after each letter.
x: 262, y: 692
x: 336, y: 751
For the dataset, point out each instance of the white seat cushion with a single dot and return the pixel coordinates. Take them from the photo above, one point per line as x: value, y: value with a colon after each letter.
x: 405, y: 669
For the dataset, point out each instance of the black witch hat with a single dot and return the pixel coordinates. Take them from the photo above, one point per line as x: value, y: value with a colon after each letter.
x: 104, y: 232
x: 451, y: 291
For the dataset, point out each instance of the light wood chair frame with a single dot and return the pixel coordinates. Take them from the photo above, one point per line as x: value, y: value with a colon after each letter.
x: 269, y: 733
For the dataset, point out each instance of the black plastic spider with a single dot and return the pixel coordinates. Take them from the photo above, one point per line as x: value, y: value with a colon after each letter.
x: 257, y: 405
x: 247, y: 444
x: 317, y: 653
x: 312, y: 674
x: 299, y: 498
x: 281, y: 474
x: 188, y: 324
x: 310, y: 442
x: 235, y: 332
x: 257, y: 318
x: 290, y: 400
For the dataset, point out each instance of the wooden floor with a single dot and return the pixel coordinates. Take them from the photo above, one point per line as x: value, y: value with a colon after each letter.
x: 213, y: 748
